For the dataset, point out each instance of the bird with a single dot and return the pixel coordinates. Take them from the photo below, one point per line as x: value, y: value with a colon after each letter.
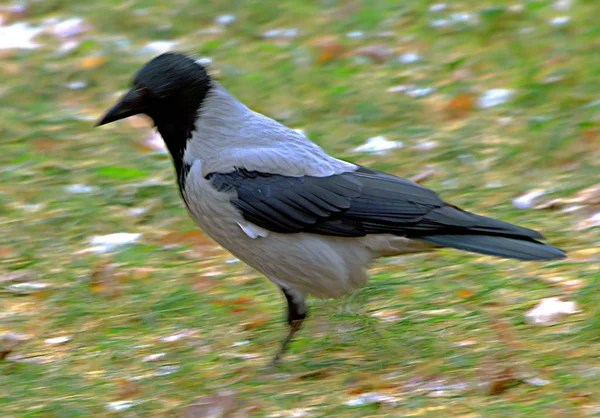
x: 311, y: 223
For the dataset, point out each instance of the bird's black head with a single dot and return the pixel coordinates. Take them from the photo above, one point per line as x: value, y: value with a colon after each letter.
x: 169, y: 89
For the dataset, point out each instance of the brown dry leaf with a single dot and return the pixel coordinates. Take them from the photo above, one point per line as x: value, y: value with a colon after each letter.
x: 317, y: 374
x: 328, y: 49
x: 127, y: 388
x: 495, y: 376
x: 590, y: 135
x: 91, y: 62
x: 17, y: 276
x: 363, y: 382
x: 9, y: 342
x: 43, y: 144
x: 104, y: 280
x: 579, y: 397
x: 465, y: 293
x: 377, y: 52
x: 256, y: 322
x: 460, y: 106
x: 203, y: 284
x: 140, y: 273
x: 221, y: 404
x: 242, y: 300
x: 6, y: 252
x: 12, y: 13
x: 421, y: 177
x: 589, y: 195
x: 503, y: 330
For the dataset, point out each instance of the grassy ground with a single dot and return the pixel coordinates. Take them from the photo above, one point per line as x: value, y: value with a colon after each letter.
x: 438, y: 335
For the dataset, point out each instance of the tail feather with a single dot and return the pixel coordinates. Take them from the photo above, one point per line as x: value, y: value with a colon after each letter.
x: 508, y: 247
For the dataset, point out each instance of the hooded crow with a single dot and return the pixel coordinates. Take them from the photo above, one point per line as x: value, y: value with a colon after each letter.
x: 309, y: 222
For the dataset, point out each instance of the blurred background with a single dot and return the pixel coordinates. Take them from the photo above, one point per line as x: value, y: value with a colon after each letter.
x: 112, y: 303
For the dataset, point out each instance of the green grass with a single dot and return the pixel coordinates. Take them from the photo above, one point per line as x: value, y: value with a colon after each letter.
x: 453, y: 311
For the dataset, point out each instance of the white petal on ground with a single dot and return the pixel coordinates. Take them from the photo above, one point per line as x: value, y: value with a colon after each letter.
x: 528, y: 199
x: 225, y: 19
x: 370, y: 398
x: 28, y: 287
x: 166, y: 370
x: 536, y: 381
x: 439, y: 23
x: 398, y: 89
x: 591, y: 222
x: 409, y: 58
x: 76, y: 85
x: 158, y: 47
x: 178, y: 335
x: 377, y: 144
x: 562, y: 5
x: 78, y: 188
x: 437, y: 7
x: 58, y: 340
x: 105, y: 243
x: 154, y: 357
x: 355, y: 34
x: 121, y: 405
x: 549, y: 311
x: 281, y: 33
x: 137, y: 211
x: 560, y: 20
x: 462, y: 17
x: 68, y: 28
x: 204, y: 61
x: 494, y: 97
x: 18, y: 36
x: 419, y: 92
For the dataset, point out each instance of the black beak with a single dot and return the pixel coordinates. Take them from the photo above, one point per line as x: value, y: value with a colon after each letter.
x: 131, y: 104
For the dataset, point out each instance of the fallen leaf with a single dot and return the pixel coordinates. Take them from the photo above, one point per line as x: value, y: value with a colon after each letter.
x: 378, y: 145
x: 107, y: 243
x: 58, y: 340
x: 377, y: 52
x: 550, y: 311
x: 421, y: 177
x: 118, y: 406
x: 494, y: 97
x: 256, y: 322
x: 318, y: 373
x: 17, y: 276
x: 460, y: 106
x: 328, y: 49
x: 104, y: 280
x: 221, y: 404
x: 9, y: 342
x: 154, y: 357
x: 179, y: 335
x: 91, y: 62
x: 371, y: 398
x: 503, y: 330
x: 465, y: 293
x: 140, y: 273
x: 495, y: 376
x: 43, y: 144
x: 38, y: 289
x: 528, y: 199
x: 127, y: 388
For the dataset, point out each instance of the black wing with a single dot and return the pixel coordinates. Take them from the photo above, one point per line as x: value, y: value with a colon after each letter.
x: 353, y: 204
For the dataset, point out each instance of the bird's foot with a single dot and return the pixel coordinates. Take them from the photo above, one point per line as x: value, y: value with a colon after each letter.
x: 295, y: 326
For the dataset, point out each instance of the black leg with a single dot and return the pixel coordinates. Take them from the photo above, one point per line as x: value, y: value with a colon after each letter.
x: 295, y: 316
